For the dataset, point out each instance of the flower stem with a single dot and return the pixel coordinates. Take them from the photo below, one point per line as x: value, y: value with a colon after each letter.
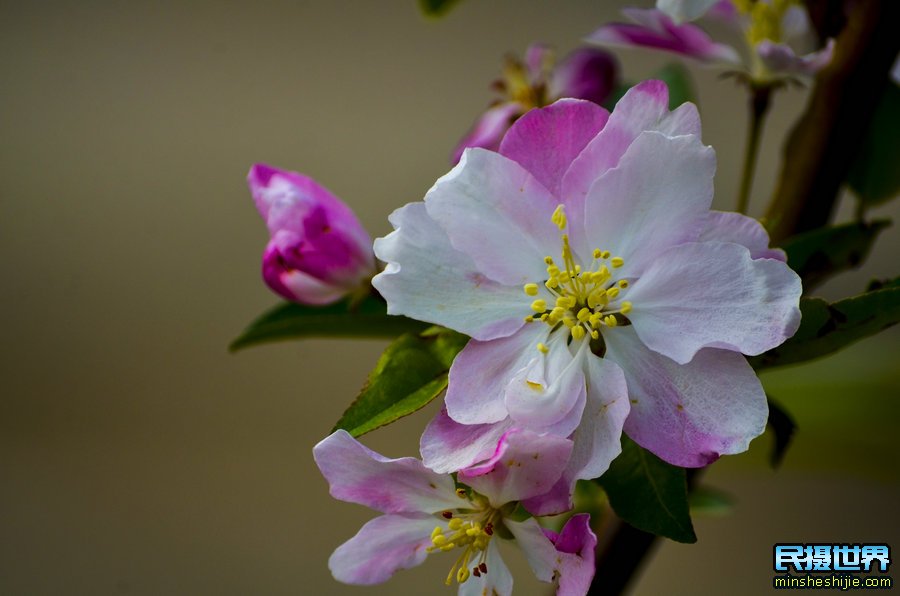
x: 759, y: 108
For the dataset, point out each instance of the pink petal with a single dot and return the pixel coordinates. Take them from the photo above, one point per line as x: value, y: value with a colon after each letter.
x: 586, y: 73
x: 497, y: 213
x: 525, y: 464
x: 688, y: 414
x: 546, y: 140
x: 448, y: 446
x: 714, y: 295
x: 576, y: 567
x: 382, y: 547
x: 295, y: 285
x: 481, y: 372
x: 427, y: 279
x: 359, y: 475
x: 780, y: 58
x: 657, y: 197
x: 489, y: 129
x: 727, y: 226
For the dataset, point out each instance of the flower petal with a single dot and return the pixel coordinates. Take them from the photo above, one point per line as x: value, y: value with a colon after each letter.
x: 293, y: 284
x: 657, y: 197
x: 498, y: 581
x: 447, y: 446
x: 586, y: 73
x: 382, y: 547
x: 497, y: 213
x: 685, y: 10
x: 714, y: 295
x: 482, y: 370
x: 359, y: 475
x: 427, y: 279
x: 525, y: 464
x: 488, y: 130
x: 780, y: 58
x: 727, y: 226
x: 576, y: 567
x: 546, y: 140
x: 688, y: 414
x: 536, y: 546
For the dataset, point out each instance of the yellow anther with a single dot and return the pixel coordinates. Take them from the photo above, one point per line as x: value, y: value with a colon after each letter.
x: 539, y: 305
x: 542, y: 348
x: 605, y: 254
x: 553, y: 271
x: 612, y: 292
x: 548, y: 260
x: 617, y: 261
x: 448, y: 547
x: 584, y: 314
x: 569, y: 322
x: 625, y: 308
x: 597, y: 253
x: 455, y: 523
x: 529, y: 319
x: 566, y: 302
x: 462, y: 575
x: 595, y: 334
x: 544, y: 317
x: 623, y: 283
x: 610, y: 321
x: 439, y: 540
x: 577, y: 269
x: 531, y: 289
x: 597, y: 298
x: 436, y: 532
x: 595, y: 319
x: 552, y: 283
x: 461, y: 493
x: 559, y: 217
x: 578, y: 332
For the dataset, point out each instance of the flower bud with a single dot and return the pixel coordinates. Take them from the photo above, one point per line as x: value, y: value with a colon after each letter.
x: 318, y: 251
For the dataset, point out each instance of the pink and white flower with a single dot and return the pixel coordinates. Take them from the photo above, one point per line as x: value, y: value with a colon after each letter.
x: 318, y: 251
x: 769, y: 29
x: 586, y: 73
x: 600, y: 291
x: 426, y: 512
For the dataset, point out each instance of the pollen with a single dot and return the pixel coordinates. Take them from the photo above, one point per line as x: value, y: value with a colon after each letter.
x: 559, y: 217
x: 531, y: 289
x: 472, y: 535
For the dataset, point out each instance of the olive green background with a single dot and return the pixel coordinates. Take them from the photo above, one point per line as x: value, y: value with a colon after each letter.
x: 137, y: 456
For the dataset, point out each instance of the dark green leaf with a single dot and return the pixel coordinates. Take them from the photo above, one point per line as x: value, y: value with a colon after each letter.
x: 883, y: 284
x: 827, y: 328
x: 875, y: 174
x: 710, y: 501
x: 649, y: 493
x: 367, y: 318
x: 783, y: 427
x: 411, y: 372
x: 678, y: 80
x: 436, y: 8
x: 822, y: 253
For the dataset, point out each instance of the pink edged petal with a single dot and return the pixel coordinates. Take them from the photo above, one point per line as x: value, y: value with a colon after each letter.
x: 357, y: 474
x: 576, y: 567
x: 714, y: 295
x: 555, y: 501
x: 780, y: 59
x: 644, y: 107
x: 382, y: 547
x: 488, y: 130
x: 548, y: 394
x: 546, y: 140
x: 655, y: 30
x: 427, y: 279
x: 586, y: 73
x: 296, y: 285
x: 688, y: 414
x: 497, y: 213
x: 657, y: 197
x: 536, y: 546
x: 447, y: 446
x: 681, y: 11
x: 727, y: 226
x: 498, y: 581
x: 482, y: 370
x: 524, y: 464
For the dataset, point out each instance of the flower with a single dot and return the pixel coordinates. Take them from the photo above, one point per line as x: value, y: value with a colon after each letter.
x: 425, y: 513
x: 586, y: 73
x: 318, y: 251
x: 768, y: 29
x: 598, y: 288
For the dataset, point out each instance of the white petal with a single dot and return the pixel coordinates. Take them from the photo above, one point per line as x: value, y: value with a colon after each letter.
x: 498, y: 581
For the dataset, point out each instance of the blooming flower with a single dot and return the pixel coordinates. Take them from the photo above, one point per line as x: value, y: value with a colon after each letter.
x: 586, y: 73
x: 425, y: 513
x: 768, y: 28
x: 596, y: 284
x: 318, y: 252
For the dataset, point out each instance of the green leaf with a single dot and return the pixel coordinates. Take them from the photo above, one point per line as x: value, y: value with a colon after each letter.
x: 436, y: 8
x: 366, y: 318
x: 883, y: 284
x: 783, y: 427
x: 827, y: 328
x: 649, y: 493
x: 875, y: 174
x: 710, y: 501
x: 822, y: 253
x: 411, y: 372
x: 680, y: 84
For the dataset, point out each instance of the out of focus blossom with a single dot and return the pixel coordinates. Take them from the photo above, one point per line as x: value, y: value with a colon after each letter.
x: 428, y: 513
x: 772, y: 34
x: 586, y: 73
x: 318, y: 251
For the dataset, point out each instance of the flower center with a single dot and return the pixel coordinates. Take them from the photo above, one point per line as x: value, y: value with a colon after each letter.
x: 581, y: 295
x: 471, y: 532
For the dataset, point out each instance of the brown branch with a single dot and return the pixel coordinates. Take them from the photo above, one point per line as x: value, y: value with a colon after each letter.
x: 824, y: 142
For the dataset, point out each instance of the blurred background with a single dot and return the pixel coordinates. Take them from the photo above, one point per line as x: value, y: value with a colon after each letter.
x: 139, y: 457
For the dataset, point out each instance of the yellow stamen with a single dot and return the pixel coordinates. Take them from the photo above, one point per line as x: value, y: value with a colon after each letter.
x: 542, y: 348
x: 531, y: 289
x: 617, y: 262
x: 578, y: 332
x: 539, y: 305
x: 559, y: 217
